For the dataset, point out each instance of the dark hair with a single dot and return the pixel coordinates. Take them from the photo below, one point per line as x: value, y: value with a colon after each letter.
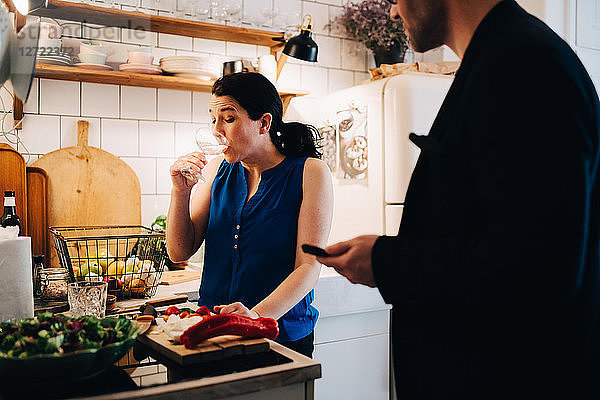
x: 257, y: 95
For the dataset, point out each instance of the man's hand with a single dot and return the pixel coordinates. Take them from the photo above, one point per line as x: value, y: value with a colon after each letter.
x: 352, y: 259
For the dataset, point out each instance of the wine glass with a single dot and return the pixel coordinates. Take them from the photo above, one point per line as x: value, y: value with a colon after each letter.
x: 211, y: 143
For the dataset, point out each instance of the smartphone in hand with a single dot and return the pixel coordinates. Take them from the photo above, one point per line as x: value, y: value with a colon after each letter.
x: 314, y: 250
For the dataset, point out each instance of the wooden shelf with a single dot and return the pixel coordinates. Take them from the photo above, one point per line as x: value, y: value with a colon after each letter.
x: 66, y: 73
x: 155, y: 23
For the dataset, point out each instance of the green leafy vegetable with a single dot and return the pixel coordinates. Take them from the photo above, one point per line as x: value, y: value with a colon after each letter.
x: 56, y: 334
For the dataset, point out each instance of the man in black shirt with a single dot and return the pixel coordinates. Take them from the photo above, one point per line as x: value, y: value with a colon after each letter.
x: 494, y: 275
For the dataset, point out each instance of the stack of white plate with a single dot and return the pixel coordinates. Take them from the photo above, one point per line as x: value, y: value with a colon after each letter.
x: 54, y: 58
x: 191, y: 67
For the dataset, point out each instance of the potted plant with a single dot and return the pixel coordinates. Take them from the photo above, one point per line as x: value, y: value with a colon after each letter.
x: 160, y: 224
x: 369, y: 22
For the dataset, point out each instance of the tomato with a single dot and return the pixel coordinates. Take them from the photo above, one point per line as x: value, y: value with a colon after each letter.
x: 203, y: 311
x: 172, y: 310
x: 165, y: 318
x: 184, y: 314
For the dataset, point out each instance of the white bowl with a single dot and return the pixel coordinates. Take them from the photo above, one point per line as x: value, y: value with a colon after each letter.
x: 92, y: 58
x: 49, y: 30
x: 139, y: 57
x: 86, y: 48
x: 50, y: 43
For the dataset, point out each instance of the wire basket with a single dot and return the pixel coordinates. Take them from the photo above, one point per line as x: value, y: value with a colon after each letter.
x: 130, y: 258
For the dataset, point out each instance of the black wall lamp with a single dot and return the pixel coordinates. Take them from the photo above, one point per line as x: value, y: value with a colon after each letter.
x: 302, y: 46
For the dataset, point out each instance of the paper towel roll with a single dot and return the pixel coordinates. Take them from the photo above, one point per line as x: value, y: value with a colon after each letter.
x: 16, y: 285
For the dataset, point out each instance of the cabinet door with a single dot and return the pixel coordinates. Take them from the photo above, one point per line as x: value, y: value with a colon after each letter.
x: 354, y: 369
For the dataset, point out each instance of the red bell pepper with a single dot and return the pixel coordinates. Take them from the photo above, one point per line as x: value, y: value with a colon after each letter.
x: 184, y: 314
x: 172, y: 310
x: 203, y: 310
x: 229, y: 324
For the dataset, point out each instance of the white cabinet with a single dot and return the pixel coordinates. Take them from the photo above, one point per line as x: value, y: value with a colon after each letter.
x: 393, y: 216
x: 353, y: 369
x: 351, y: 340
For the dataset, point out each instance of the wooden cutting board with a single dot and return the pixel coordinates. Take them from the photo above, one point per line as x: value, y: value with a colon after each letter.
x: 13, y: 177
x: 216, y: 348
x: 175, y: 277
x: 88, y: 186
x: 37, y: 211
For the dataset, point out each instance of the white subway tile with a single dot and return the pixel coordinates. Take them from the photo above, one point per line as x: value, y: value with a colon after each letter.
x: 157, y: 139
x: 59, y: 97
x: 99, y: 32
x: 241, y: 50
x: 353, y: 55
x: 200, y: 102
x: 6, y: 97
x: 139, y: 37
x: 153, y: 206
x: 138, y: 102
x: 209, y: 46
x: 262, y: 50
x: 290, y: 77
x: 252, y: 12
x: 320, y: 16
x: 329, y: 51
x: 68, y: 131
x: 120, y: 137
x: 360, y: 77
x: 31, y: 158
x: 145, y: 169
x: 40, y: 133
x: 184, y: 138
x: 99, y: 100
x: 174, y: 41
x: 187, y: 53
x: 332, y: 2
x: 336, y: 29
x: 159, y: 53
x: 174, y: 105
x: 163, y: 176
x: 339, y: 79
x: 32, y: 103
x: 314, y: 79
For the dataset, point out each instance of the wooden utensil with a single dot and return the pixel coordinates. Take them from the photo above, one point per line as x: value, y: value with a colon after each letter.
x: 88, y: 186
x: 175, y: 277
x: 37, y: 211
x: 13, y: 177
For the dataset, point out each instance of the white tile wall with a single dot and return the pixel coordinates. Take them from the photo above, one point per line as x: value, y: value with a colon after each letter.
x: 59, y: 97
x: 320, y: 16
x: 120, y: 137
x: 138, y: 102
x: 184, y: 138
x: 32, y: 105
x: 148, y: 127
x: 174, y: 105
x: 200, y: 107
x: 163, y: 176
x: 157, y: 139
x: 99, y: 100
x: 209, y: 46
x: 68, y: 131
x: 340, y: 79
x: 174, y: 41
x: 40, y: 133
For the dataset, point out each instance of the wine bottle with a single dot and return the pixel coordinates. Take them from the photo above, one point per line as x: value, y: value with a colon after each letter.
x: 10, y: 217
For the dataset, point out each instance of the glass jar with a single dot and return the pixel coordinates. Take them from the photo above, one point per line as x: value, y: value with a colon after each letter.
x: 54, y: 283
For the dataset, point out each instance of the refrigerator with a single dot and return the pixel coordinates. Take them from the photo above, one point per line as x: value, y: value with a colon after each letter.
x: 365, y: 132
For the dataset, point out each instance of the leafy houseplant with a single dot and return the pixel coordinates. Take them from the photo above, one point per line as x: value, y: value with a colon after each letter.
x: 369, y: 22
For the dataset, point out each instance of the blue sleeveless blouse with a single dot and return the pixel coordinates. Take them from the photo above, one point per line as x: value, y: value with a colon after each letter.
x: 250, y: 247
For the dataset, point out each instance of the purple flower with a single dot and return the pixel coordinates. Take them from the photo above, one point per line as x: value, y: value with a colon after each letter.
x: 368, y: 22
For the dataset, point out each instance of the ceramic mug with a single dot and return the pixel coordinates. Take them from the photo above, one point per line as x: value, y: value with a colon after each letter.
x: 232, y: 67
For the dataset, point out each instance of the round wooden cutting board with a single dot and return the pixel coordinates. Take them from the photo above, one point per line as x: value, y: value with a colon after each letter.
x: 89, y: 186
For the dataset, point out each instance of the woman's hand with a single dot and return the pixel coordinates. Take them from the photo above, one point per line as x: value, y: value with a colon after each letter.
x: 236, y: 308
x: 193, y: 161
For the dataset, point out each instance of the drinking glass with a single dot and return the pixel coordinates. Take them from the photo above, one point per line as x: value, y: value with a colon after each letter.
x: 210, y: 143
x: 87, y: 298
